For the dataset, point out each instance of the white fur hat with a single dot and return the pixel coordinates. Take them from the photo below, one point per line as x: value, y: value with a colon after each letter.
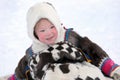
x: 35, y: 13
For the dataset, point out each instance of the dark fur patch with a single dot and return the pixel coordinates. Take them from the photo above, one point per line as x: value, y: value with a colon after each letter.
x: 59, y: 47
x: 64, y: 68
x: 89, y: 78
x: 97, y: 78
x: 78, y: 78
x: 50, y: 49
x: 51, y: 66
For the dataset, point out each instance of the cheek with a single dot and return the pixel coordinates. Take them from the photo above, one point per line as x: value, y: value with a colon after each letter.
x: 55, y: 32
x: 40, y: 36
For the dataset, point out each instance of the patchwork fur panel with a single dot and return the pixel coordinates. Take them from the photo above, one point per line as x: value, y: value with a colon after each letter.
x: 73, y: 71
x: 62, y: 61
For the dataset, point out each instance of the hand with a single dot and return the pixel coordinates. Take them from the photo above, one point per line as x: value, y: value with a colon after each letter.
x: 116, y: 76
x: 116, y: 73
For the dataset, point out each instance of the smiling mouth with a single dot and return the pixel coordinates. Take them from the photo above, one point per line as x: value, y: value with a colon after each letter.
x: 50, y: 38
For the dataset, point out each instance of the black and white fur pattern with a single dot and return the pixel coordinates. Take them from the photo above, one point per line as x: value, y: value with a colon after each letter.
x: 62, y: 61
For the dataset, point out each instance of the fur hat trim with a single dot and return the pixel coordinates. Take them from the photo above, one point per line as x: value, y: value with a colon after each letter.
x: 37, y: 12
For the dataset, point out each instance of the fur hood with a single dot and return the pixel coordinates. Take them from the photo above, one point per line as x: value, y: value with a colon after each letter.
x: 35, y: 13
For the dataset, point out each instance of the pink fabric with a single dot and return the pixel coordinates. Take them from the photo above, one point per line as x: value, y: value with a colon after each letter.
x: 12, y: 77
x: 108, y: 66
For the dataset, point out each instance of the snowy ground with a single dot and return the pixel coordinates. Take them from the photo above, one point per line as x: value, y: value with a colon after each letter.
x: 97, y: 19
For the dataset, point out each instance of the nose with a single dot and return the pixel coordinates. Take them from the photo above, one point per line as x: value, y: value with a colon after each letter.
x: 48, y: 32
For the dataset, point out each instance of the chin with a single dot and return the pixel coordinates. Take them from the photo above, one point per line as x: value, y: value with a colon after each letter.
x: 50, y: 43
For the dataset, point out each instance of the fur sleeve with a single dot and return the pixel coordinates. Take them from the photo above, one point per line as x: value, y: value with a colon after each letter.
x: 90, y: 48
x: 22, y: 70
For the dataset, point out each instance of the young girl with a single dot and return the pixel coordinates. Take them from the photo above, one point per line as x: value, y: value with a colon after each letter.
x: 45, y: 29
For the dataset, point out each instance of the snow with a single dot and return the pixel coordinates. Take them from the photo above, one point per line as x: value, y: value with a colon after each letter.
x: 96, y: 19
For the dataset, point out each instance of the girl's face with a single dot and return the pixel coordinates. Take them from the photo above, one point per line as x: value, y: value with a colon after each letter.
x: 46, y: 31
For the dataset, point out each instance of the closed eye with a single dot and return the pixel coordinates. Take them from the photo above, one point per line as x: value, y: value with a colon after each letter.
x: 42, y: 30
x: 52, y: 27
